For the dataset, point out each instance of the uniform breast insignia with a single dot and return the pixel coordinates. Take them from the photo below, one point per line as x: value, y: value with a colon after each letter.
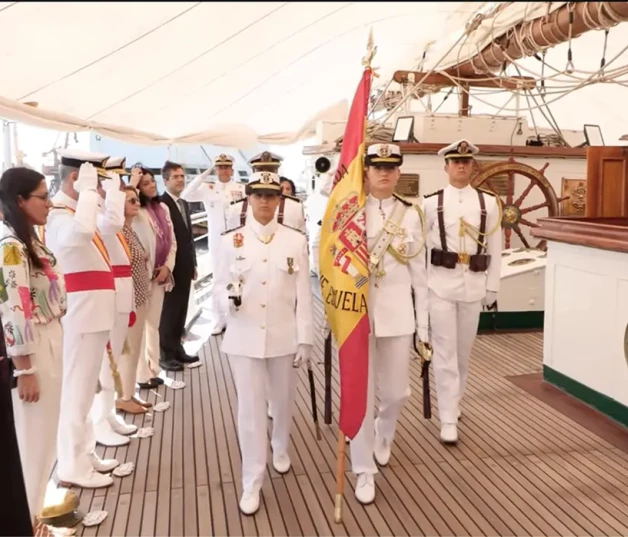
x: 210, y: 186
x: 290, y: 261
x: 236, y: 195
x: 238, y: 240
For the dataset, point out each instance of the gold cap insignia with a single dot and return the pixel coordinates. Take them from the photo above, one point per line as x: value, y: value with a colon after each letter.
x: 383, y: 151
x: 463, y: 148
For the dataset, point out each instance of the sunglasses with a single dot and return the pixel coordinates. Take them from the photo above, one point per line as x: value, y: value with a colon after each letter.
x: 133, y: 201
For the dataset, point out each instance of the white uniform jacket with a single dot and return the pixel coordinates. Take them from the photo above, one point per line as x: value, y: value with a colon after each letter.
x: 276, y: 313
x: 461, y: 284
x: 290, y: 212
x: 146, y: 231
x: 390, y: 297
x: 71, y: 234
x: 216, y: 198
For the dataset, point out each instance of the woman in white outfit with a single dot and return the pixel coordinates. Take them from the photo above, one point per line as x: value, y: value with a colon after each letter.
x: 154, y: 229
x: 32, y: 301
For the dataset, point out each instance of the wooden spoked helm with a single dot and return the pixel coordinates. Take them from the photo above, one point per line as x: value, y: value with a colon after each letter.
x: 515, y: 212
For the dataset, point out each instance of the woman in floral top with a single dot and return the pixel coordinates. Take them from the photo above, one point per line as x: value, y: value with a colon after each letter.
x: 32, y: 301
x: 141, y: 291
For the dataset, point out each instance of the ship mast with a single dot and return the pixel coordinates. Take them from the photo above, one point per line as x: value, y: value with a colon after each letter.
x: 528, y: 38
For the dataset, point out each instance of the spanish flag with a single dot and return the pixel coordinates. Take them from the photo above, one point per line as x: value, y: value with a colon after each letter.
x: 343, y: 265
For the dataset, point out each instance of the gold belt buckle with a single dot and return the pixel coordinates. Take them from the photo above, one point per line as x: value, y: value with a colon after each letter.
x: 463, y: 258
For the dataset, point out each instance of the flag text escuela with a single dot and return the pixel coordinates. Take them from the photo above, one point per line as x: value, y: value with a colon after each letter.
x: 343, y: 261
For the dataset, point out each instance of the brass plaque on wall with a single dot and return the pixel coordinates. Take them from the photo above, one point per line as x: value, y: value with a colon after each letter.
x: 408, y: 185
x: 497, y: 183
x: 576, y: 192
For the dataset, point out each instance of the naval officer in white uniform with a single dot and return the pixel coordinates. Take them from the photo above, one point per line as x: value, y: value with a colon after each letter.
x: 109, y: 428
x: 395, y: 237
x: 216, y: 197
x: 264, y: 285
x: 464, y: 264
x: 289, y: 210
x: 71, y: 234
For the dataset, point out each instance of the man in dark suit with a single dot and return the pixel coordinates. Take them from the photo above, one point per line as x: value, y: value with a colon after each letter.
x: 174, y: 313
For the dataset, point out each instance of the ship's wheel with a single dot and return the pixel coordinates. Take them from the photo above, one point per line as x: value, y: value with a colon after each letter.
x: 514, y: 209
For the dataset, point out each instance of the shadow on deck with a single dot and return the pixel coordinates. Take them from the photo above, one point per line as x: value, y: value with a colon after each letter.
x: 520, y: 468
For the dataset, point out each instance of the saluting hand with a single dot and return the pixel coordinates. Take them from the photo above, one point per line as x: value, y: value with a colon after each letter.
x: 136, y: 177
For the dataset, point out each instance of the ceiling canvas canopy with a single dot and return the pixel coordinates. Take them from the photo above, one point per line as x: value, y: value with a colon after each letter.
x: 221, y: 73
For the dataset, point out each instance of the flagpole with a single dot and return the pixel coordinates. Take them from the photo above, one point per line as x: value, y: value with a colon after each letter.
x: 371, y: 49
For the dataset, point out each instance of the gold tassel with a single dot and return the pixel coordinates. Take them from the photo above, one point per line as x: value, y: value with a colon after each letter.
x: 117, y: 381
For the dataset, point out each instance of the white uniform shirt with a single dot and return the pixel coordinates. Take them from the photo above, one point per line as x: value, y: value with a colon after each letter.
x: 461, y: 284
x: 293, y: 214
x: 276, y: 313
x: 69, y: 235
x: 390, y: 297
x: 216, y: 198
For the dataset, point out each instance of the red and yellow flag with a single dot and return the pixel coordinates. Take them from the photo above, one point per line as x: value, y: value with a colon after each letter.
x: 343, y: 265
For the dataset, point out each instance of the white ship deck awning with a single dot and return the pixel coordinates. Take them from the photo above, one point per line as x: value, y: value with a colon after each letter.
x: 211, y: 72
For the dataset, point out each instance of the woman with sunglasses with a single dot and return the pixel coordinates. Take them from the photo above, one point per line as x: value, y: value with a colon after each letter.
x: 32, y: 302
x: 140, y: 272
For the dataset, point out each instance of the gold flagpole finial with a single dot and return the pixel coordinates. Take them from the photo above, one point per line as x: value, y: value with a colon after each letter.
x: 371, y: 50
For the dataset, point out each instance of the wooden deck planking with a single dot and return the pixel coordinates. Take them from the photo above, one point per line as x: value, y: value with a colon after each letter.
x: 520, y: 468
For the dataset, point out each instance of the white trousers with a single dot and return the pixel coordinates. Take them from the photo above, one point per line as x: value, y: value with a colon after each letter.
x: 389, y: 369
x: 82, y: 360
x: 36, y: 423
x: 128, y: 363
x: 250, y: 375
x: 148, y: 364
x: 105, y: 401
x: 454, y: 327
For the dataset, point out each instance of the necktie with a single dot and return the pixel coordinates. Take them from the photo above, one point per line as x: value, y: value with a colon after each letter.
x: 183, y: 213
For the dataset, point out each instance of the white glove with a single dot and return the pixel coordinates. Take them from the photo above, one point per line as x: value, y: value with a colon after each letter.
x: 304, y: 352
x: 423, y: 334
x: 87, y: 178
x: 490, y: 298
x: 113, y: 183
x: 325, y: 329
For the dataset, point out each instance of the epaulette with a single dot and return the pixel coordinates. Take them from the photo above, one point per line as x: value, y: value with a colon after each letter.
x: 432, y: 194
x: 291, y: 198
x: 489, y: 192
x: 237, y: 201
x: 402, y: 200
x: 232, y: 229
x: 293, y: 228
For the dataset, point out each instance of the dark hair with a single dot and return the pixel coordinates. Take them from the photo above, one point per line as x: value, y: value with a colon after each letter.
x: 291, y: 182
x: 169, y: 167
x: 15, y: 183
x: 144, y: 199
